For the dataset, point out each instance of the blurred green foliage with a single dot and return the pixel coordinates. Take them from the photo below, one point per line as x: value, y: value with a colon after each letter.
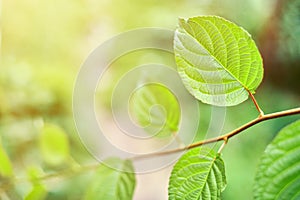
x: 6, y: 166
x: 106, y: 178
x: 289, y: 32
x: 43, y: 45
x: 160, y: 121
x: 54, y: 145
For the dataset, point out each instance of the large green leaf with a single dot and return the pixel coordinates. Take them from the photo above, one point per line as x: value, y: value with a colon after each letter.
x: 6, y: 169
x: 278, y: 176
x: 199, y: 174
x: 217, y: 60
x: 54, y: 145
x: 117, y: 182
x: 156, y: 109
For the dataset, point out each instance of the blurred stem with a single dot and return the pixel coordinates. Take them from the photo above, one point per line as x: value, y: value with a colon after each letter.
x: 69, y: 172
x: 6, y: 185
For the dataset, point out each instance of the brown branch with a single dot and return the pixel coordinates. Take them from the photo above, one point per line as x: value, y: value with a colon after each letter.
x: 6, y: 185
x: 223, y: 145
x: 226, y: 136
x: 261, y: 113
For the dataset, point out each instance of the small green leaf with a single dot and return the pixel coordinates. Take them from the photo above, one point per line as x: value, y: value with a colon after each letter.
x: 5, y: 164
x: 33, y: 173
x: 278, y: 176
x: 113, y: 183
x: 38, y: 192
x: 199, y: 174
x: 156, y: 109
x: 217, y: 60
x: 54, y: 145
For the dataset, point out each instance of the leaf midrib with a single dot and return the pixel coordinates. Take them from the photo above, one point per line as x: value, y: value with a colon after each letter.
x: 120, y: 173
x: 210, y: 54
x: 211, y: 161
x: 211, y: 166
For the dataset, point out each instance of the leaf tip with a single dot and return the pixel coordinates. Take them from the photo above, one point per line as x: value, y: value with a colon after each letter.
x: 181, y: 21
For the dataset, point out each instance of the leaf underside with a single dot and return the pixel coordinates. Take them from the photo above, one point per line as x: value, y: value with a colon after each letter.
x: 113, y: 183
x: 278, y: 176
x: 155, y: 108
x: 199, y: 174
x: 217, y: 60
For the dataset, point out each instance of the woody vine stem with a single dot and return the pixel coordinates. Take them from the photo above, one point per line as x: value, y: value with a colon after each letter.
x: 261, y: 117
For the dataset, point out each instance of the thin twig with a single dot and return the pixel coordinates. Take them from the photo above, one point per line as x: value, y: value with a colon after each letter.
x: 261, y: 113
x: 228, y: 135
x: 223, y: 145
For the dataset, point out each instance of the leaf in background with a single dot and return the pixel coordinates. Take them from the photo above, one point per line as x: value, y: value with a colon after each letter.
x: 156, y: 109
x: 112, y: 183
x: 289, y: 33
x: 278, y: 174
x: 217, y: 60
x: 38, y: 192
x: 199, y: 174
x: 54, y: 145
x: 5, y: 164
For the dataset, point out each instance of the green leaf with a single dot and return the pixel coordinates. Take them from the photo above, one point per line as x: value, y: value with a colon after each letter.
x: 278, y: 176
x: 54, y: 145
x: 217, y: 60
x: 156, y: 109
x: 33, y: 173
x: 199, y: 174
x: 38, y: 192
x: 6, y: 169
x: 117, y: 182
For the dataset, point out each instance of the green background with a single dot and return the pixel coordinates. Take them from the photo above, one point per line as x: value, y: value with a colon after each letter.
x: 44, y: 44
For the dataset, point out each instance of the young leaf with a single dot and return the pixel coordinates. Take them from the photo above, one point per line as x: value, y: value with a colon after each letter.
x: 5, y: 164
x: 54, y: 145
x: 156, y: 109
x: 199, y: 174
x: 113, y: 183
x: 278, y: 172
x: 217, y: 60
